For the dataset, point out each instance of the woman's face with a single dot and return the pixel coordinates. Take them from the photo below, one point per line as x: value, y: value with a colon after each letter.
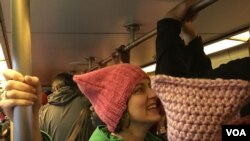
x: 143, y: 105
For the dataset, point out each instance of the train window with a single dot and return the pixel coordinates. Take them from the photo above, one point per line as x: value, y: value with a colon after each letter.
x: 4, y: 52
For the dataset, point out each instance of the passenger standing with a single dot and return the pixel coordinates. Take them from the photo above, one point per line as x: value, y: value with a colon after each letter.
x: 175, y: 58
x: 59, y: 116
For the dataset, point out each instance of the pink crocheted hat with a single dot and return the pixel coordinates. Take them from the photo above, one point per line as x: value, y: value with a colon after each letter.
x: 195, y: 108
x: 109, y: 89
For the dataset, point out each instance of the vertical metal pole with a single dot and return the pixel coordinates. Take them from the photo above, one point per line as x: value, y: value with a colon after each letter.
x: 21, y: 60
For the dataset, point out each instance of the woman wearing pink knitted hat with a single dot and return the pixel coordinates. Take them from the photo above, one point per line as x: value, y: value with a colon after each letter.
x: 120, y: 94
x: 123, y: 99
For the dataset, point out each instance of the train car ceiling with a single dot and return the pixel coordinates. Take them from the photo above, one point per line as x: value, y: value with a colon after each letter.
x: 64, y: 33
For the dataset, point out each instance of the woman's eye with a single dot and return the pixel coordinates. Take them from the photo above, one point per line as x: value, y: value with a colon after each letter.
x: 139, y: 90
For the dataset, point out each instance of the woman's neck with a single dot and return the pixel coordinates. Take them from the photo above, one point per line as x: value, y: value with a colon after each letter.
x: 135, y: 132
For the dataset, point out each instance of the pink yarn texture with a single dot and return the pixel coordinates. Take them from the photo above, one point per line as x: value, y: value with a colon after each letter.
x: 109, y: 89
x: 196, y: 108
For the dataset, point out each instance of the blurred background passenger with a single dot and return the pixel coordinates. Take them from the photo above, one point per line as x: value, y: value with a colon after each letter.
x: 59, y: 116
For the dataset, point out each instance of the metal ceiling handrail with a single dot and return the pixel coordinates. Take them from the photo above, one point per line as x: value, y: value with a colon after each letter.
x: 192, y: 11
x: 129, y: 46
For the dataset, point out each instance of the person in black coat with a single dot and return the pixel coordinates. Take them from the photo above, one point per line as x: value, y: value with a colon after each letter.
x: 175, y: 58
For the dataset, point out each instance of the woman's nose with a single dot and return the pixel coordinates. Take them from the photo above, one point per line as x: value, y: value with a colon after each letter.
x: 151, y: 93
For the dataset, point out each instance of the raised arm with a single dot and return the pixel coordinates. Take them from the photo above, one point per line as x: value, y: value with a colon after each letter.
x: 173, y: 57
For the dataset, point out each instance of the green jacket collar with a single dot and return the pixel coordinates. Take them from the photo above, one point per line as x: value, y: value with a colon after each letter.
x: 101, y: 133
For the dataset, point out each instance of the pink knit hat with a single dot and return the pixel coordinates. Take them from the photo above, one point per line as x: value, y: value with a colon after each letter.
x: 109, y: 89
x: 196, y: 108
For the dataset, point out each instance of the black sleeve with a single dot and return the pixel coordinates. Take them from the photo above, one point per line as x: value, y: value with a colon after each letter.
x: 235, y: 69
x: 200, y: 62
x: 173, y: 57
x: 169, y: 49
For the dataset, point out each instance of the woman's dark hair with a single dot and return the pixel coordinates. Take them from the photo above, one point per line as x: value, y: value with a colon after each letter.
x: 95, y: 120
x: 124, y: 122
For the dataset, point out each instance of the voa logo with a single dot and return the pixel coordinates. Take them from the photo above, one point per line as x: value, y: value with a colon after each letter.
x: 236, y: 132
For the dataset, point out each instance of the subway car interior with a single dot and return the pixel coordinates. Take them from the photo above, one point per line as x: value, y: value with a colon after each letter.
x: 80, y: 36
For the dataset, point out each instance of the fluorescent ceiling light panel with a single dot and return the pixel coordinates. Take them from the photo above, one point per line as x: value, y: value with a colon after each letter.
x: 241, y: 37
x: 221, y: 45
x: 150, y: 68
